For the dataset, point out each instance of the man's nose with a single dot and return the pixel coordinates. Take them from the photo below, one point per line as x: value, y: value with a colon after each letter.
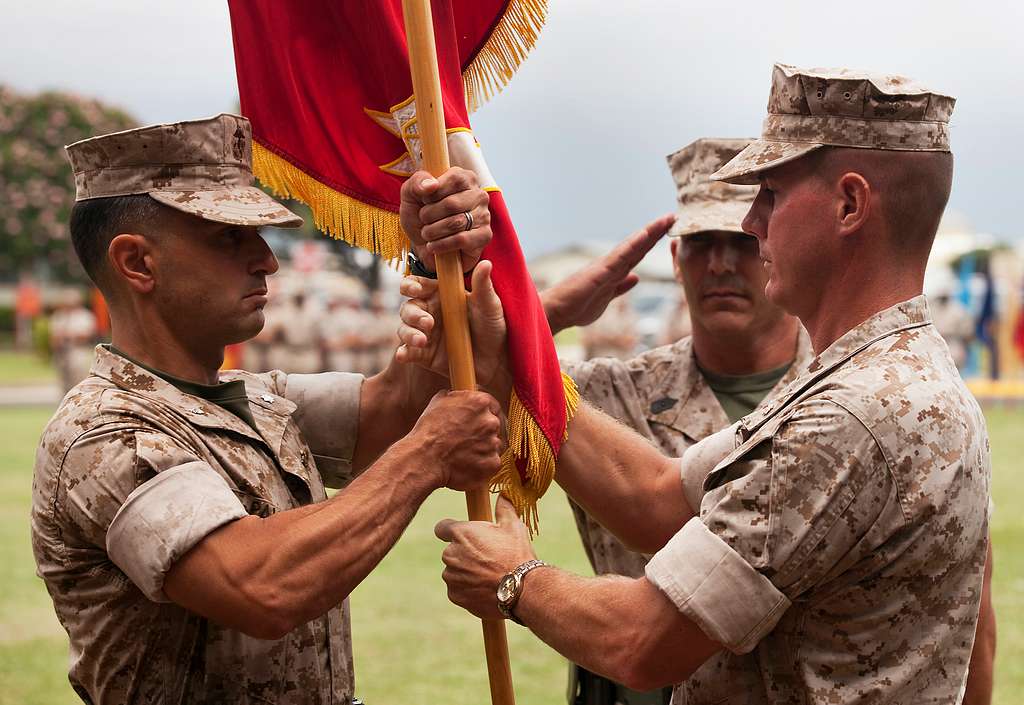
x: 754, y: 222
x: 262, y: 259
x: 722, y: 259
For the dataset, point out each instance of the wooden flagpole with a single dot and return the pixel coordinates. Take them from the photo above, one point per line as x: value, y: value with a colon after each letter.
x: 426, y: 82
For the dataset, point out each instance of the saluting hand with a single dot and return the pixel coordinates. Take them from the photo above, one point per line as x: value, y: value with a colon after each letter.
x: 581, y: 298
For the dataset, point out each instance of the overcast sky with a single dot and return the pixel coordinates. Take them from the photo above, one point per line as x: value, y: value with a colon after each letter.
x: 578, y: 140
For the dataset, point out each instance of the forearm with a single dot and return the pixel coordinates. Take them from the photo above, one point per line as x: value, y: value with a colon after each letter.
x: 390, y: 403
x: 266, y: 576
x: 622, y: 480
x: 618, y: 627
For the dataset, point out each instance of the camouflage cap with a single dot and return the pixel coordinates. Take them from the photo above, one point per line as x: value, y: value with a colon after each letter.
x: 813, y: 108
x: 704, y: 204
x: 202, y: 167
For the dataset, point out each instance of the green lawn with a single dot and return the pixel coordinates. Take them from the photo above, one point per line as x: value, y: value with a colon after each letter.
x: 24, y: 368
x: 411, y: 646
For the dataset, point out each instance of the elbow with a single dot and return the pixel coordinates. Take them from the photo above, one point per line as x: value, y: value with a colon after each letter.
x: 643, y: 673
x: 648, y: 543
x: 270, y: 616
x: 650, y: 537
x: 649, y: 671
x: 641, y: 679
x: 638, y: 664
x: 646, y: 657
x: 266, y: 630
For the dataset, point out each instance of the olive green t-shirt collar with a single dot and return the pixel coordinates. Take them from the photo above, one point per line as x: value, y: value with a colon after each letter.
x: 740, y: 384
x: 227, y: 395
x: 739, y: 395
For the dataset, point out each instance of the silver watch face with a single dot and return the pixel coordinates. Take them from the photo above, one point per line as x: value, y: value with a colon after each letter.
x: 507, y: 588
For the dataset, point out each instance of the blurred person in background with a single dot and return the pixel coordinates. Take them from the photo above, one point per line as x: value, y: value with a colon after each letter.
x: 72, y: 337
x: 613, y: 334
x: 342, y: 329
x: 296, y: 336
x: 28, y: 305
x: 954, y: 323
x: 379, y: 338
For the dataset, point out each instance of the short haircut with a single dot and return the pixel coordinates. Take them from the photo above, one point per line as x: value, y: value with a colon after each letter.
x: 96, y: 221
x: 913, y: 188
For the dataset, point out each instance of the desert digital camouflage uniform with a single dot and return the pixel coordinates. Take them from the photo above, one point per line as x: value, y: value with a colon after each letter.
x: 839, y: 549
x: 132, y: 472
x: 840, y: 544
x: 813, y: 108
x: 200, y: 167
x: 661, y: 393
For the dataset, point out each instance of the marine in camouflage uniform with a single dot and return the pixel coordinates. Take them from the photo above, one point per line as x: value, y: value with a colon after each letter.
x: 664, y: 394
x: 180, y: 520
x: 830, y: 546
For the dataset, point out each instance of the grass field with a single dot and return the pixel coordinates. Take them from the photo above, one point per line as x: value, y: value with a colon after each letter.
x: 24, y: 368
x: 411, y: 646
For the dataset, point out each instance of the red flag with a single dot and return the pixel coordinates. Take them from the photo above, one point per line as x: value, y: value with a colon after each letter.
x: 327, y: 87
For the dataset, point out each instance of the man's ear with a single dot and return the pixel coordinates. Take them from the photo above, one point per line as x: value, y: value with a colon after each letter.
x: 131, y: 260
x: 677, y: 270
x: 854, y: 203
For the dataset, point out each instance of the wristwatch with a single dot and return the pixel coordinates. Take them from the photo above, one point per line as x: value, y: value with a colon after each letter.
x: 417, y: 268
x: 511, y: 587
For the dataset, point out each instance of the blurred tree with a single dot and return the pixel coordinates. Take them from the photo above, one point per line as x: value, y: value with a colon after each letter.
x: 37, y: 188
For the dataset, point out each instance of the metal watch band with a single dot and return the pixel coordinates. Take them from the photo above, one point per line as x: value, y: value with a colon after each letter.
x: 416, y: 267
x: 518, y: 573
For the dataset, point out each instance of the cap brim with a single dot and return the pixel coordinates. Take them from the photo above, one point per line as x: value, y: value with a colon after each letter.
x: 760, y: 156
x: 236, y: 205
x: 724, y: 216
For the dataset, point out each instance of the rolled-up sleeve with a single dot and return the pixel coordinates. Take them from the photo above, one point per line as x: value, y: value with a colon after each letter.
x: 163, y: 518
x: 142, y: 495
x: 716, y: 588
x: 327, y: 414
x: 777, y: 521
x: 700, y: 459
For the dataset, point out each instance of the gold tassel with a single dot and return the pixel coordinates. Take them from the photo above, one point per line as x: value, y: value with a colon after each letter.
x: 505, y: 50
x: 341, y: 216
x: 525, y: 440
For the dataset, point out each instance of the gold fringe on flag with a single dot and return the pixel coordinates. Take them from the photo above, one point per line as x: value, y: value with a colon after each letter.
x: 526, y: 441
x: 504, y: 51
x: 335, y: 213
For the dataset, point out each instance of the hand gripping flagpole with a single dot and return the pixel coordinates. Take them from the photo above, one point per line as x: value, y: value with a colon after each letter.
x: 426, y: 82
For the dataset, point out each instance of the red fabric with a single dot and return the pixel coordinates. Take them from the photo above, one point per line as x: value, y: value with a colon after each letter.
x: 1018, y: 334
x: 307, y: 69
